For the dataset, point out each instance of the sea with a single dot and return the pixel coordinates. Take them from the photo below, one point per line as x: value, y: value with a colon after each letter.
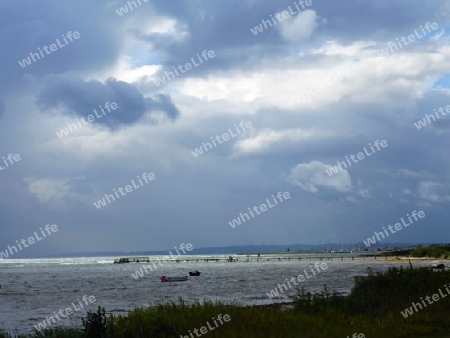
x: 33, y: 289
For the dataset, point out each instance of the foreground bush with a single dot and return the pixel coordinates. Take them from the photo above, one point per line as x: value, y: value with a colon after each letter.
x: 383, y: 296
x: 382, y: 293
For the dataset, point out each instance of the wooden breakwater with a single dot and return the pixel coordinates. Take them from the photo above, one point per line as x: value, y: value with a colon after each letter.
x: 248, y: 258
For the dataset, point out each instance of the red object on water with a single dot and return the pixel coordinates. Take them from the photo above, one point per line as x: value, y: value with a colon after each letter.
x: 163, y: 278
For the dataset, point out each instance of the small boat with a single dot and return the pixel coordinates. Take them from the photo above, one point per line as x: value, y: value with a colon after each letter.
x: 174, y: 279
x: 439, y: 266
x: 194, y: 273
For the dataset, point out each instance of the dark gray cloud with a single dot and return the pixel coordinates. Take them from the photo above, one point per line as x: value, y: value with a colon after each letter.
x: 41, y: 24
x: 79, y: 97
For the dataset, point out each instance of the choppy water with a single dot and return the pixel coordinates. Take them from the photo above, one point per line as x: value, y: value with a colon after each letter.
x: 33, y: 288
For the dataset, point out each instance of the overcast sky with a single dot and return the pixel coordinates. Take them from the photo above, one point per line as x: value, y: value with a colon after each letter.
x: 367, y: 96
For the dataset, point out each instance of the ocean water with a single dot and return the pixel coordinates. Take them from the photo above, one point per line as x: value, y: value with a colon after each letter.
x: 32, y: 289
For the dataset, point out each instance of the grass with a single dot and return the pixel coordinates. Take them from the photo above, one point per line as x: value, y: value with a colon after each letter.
x: 372, y: 308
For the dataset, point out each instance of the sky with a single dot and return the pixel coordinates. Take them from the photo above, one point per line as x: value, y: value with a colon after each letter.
x: 294, y: 96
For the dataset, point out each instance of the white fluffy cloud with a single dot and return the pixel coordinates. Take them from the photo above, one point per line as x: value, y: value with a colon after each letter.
x: 299, y: 27
x: 433, y: 191
x: 54, y: 192
x: 312, y: 176
x: 264, y: 139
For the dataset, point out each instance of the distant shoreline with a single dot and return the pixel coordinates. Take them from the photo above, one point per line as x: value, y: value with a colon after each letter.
x: 234, y: 250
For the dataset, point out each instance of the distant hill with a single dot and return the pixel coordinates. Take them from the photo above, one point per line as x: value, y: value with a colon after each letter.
x: 233, y: 250
x: 229, y: 250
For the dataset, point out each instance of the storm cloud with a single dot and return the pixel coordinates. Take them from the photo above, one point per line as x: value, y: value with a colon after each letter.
x: 80, y: 97
x: 282, y: 80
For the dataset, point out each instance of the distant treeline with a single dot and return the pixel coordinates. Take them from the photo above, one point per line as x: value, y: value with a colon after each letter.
x: 438, y: 251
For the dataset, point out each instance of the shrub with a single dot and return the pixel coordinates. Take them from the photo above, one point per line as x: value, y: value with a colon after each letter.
x: 377, y: 295
x: 95, y: 323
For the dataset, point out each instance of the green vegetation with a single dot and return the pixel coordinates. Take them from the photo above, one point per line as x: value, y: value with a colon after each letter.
x: 438, y: 251
x: 372, y: 308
